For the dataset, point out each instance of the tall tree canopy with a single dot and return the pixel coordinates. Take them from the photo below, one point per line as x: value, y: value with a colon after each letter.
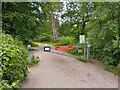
x: 24, y: 20
x: 99, y: 22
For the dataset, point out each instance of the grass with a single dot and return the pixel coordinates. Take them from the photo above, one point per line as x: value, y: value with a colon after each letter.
x: 112, y: 69
x: 50, y: 43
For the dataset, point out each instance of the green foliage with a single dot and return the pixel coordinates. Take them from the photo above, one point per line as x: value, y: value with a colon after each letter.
x: 58, y: 44
x: 100, y: 23
x: 112, y: 69
x: 66, y: 40
x: 44, y: 37
x: 104, y: 35
x: 65, y: 29
x: 14, y: 61
x: 25, y: 20
x: 108, y: 60
x: 73, y: 52
x: 33, y: 44
x: 34, y: 61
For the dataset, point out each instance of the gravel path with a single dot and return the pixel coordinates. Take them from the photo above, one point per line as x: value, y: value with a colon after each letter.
x: 58, y: 71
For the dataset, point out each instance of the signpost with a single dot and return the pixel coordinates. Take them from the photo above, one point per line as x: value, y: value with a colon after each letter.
x: 82, y: 41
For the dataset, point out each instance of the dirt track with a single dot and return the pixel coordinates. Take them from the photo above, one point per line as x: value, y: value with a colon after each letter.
x: 58, y: 71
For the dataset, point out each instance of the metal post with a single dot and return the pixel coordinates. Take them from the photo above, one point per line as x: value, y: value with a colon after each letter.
x: 63, y: 52
x: 30, y: 56
x: 84, y: 51
x: 88, y: 52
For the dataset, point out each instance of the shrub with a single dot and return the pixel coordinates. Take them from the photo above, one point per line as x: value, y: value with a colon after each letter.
x: 73, y: 52
x: 58, y: 44
x: 45, y: 37
x: 70, y: 39
x: 66, y: 40
x: 112, y: 69
x: 14, y: 62
x: 33, y: 44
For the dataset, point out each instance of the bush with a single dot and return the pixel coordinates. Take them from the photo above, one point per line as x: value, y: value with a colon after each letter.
x: 33, y: 44
x: 112, y: 69
x: 58, y: 44
x: 45, y: 37
x: 14, y: 62
x: 73, y: 52
x: 66, y: 40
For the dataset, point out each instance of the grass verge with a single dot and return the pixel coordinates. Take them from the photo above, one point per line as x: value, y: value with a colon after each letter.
x: 112, y: 69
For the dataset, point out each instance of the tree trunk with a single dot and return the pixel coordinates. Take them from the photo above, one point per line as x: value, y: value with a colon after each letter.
x: 54, y: 27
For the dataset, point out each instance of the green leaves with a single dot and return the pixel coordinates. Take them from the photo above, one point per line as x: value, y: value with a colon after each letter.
x: 99, y: 21
x: 24, y: 20
x: 14, y: 61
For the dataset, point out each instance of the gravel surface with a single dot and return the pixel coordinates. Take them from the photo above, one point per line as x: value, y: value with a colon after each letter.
x: 58, y: 71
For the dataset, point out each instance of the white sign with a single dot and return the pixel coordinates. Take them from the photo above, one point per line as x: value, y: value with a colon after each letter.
x: 82, y: 38
x: 47, y: 48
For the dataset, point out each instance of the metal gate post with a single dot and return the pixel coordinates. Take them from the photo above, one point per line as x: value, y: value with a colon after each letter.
x: 88, y: 51
x: 30, y: 56
x: 84, y: 51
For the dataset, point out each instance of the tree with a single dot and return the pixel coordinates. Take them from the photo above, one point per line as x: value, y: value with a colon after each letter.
x: 99, y: 21
x: 23, y: 20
